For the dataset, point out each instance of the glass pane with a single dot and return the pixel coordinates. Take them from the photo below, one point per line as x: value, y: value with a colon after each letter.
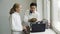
x: 59, y: 10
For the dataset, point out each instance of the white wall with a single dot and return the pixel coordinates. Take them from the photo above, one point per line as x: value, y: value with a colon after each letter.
x: 40, y: 8
x: 59, y: 9
x: 54, y: 11
x: 5, y: 6
x: 47, y: 10
x: 43, y: 7
x: 59, y: 14
x: 54, y: 16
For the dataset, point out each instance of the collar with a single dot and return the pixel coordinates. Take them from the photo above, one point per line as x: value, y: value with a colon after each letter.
x: 16, y: 12
x: 33, y: 13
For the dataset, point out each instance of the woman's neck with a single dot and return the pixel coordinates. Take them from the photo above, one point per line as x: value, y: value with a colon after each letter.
x: 17, y: 11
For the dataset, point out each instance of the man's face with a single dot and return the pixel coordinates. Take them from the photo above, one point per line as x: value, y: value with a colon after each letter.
x: 33, y: 8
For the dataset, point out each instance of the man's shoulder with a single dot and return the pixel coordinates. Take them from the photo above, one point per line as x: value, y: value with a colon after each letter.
x: 37, y: 12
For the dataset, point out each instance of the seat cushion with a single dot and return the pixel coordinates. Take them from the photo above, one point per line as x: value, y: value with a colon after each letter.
x: 48, y: 31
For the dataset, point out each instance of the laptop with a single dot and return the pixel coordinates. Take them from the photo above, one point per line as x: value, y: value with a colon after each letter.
x: 38, y: 27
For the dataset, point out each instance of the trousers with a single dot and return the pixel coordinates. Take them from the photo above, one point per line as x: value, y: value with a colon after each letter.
x: 17, y: 32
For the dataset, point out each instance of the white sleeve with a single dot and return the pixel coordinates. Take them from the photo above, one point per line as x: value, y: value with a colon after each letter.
x: 16, y: 23
x: 38, y: 17
x: 25, y: 18
x: 13, y: 22
x: 26, y: 23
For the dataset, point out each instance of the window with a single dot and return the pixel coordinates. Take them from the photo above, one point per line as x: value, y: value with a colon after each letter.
x: 59, y: 10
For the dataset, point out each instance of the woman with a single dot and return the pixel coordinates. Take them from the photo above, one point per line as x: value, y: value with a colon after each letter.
x: 15, y: 20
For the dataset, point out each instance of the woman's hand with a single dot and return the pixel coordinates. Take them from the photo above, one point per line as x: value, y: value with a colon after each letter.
x: 24, y: 28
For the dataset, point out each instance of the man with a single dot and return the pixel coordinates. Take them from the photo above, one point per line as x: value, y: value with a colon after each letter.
x: 32, y: 15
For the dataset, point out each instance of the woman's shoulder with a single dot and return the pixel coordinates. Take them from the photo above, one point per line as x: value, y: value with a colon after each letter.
x: 14, y: 15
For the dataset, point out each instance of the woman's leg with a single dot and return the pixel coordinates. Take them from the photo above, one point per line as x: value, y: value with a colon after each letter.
x: 20, y: 32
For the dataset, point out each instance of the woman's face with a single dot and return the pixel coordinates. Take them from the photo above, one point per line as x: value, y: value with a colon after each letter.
x: 18, y: 9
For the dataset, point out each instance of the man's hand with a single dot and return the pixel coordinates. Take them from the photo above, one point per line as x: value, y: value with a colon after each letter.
x: 24, y: 28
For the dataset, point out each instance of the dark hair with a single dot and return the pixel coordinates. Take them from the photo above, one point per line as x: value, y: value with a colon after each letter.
x: 33, y: 4
x: 13, y: 9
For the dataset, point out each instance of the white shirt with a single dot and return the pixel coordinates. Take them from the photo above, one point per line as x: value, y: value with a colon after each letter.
x: 28, y: 16
x: 16, y: 22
